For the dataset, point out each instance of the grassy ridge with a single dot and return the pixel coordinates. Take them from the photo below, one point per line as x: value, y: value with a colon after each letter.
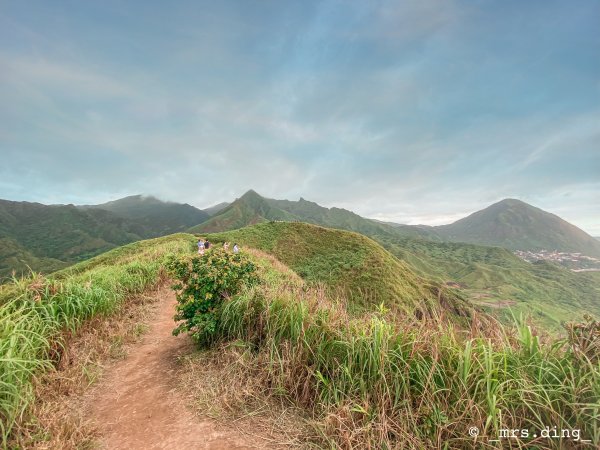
x: 348, y: 263
x: 492, y: 277
x: 35, y: 311
x: 373, y: 383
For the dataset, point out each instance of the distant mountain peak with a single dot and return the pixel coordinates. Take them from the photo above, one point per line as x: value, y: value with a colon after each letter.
x: 252, y: 208
x: 511, y: 201
x: 158, y: 217
x: 251, y: 193
x: 517, y: 225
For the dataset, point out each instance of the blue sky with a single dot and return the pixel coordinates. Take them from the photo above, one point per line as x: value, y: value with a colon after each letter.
x: 412, y: 111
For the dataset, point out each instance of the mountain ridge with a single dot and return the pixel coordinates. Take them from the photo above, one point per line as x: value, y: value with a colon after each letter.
x: 253, y: 208
x: 516, y: 225
x: 50, y: 237
x: 492, y: 276
x: 158, y: 217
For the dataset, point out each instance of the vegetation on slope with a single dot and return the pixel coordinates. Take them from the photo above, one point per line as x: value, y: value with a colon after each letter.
x: 215, y: 209
x: 491, y: 276
x: 46, y: 238
x: 372, y: 382
x: 64, y: 233
x: 252, y: 208
x: 348, y: 264
x: 515, y: 225
x: 15, y: 258
x: 495, y: 278
x: 35, y: 312
x: 249, y: 209
x: 158, y: 218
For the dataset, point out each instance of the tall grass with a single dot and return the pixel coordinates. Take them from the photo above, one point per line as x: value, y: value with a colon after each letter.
x: 372, y: 382
x: 35, y: 311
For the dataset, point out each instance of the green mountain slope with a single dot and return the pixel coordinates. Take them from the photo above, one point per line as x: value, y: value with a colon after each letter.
x: 492, y: 277
x: 215, y: 209
x: 497, y: 279
x: 39, y: 235
x: 347, y: 263
x: 48, y: 237
x: 14, y: 257
x: 45, y: 238
x: 515, y: 225
x: 156, y: 216
x: 252, y: 208
x: 249, y: 209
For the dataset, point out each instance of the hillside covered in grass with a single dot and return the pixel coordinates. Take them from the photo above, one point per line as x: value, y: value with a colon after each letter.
x: 40, y: 234
x: 383, y: 380
x: 498, y: 280
x: 158, y: 217
x: 364, y: 375
x: 36, y: 313
x: 491, y: 277
x: 348, y: 264
x: 516, y: 225
x: 49, y: 237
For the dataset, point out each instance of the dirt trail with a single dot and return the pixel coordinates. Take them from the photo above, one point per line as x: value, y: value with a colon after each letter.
x: 136, y: 405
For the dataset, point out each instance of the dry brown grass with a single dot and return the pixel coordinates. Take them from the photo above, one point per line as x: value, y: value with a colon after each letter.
x: 235, y: 391
x: 56, y: 420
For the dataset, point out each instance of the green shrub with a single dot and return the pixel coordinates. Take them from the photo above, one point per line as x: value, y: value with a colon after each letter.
x: 203, y: 283
x: 374, y: 382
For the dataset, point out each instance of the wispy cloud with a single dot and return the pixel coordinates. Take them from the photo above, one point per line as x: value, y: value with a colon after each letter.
x: 413, y: 111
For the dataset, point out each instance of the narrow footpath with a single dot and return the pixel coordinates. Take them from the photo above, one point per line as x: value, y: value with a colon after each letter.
x: 137, y: 406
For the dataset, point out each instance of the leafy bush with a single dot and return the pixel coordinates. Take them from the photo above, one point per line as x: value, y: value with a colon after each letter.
x: 203, y: 283
x: 367, y: 382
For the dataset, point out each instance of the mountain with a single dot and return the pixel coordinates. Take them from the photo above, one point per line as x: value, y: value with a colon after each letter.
x: 491, y: 277
x: 156, y: 216
x: 249, y: 209
x: 215, y: 209
x: 252, y: 208
x: 15, y: 258
x: 516, y: 225
x: 50, y: 237
x: 350, y: 264
x: 499, y: 281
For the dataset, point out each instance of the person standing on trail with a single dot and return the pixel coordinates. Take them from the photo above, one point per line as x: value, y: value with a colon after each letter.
x: 226, y: 246
x: 200, y: 247
x: 236, y: 249
x: 207, y: 244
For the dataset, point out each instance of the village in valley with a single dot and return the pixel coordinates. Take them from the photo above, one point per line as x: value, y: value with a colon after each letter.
x: 577, y: 262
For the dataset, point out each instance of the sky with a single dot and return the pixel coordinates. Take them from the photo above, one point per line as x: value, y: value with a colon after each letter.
x: 414, y: 111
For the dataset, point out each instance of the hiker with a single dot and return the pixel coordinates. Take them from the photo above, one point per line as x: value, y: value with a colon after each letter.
x: 200, y: 247
x: 207, y: 244
x: 236, y: 249
x: 226, y: 246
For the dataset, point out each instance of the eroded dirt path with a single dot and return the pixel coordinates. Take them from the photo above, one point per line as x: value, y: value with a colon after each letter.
x: 136, y: 405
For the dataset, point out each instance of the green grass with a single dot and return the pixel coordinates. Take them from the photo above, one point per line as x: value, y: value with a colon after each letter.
x: 35, y: 311
x: 549, y: 293
x: 371, y: 382
x: 491, y: 276
x: 347, y: 263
